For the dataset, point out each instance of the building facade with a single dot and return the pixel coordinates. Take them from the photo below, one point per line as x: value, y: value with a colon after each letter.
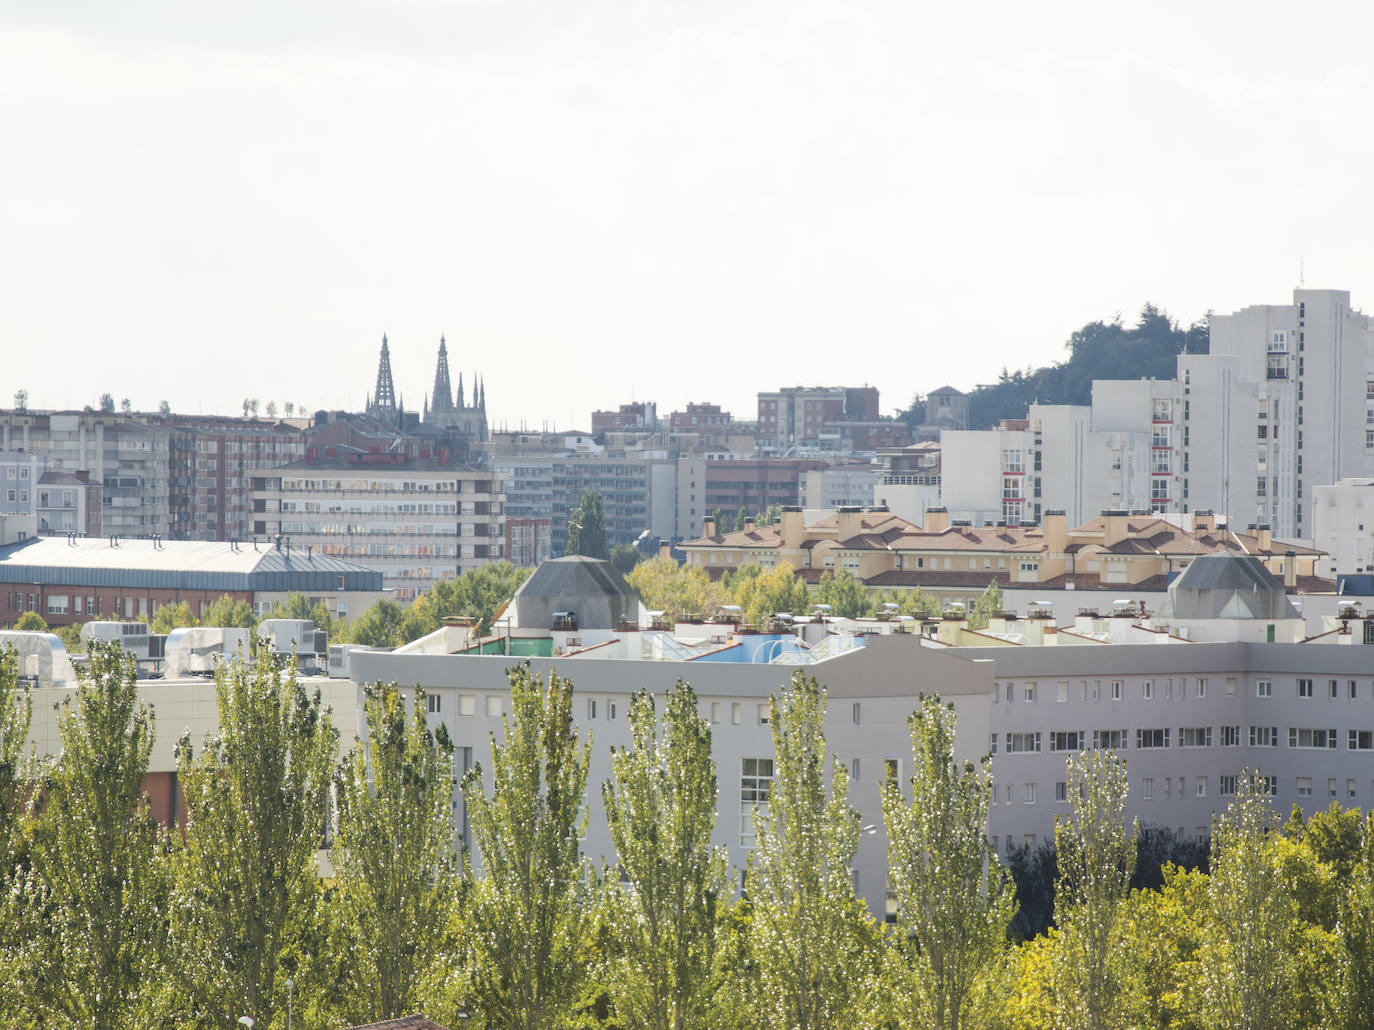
x: 417, y: 520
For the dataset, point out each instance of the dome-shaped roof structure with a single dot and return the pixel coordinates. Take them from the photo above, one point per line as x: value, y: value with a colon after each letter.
x: 592, y: 590
x: 1227, y: 586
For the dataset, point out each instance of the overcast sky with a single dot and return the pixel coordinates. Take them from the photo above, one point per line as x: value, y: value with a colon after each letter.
x: 608, y: 201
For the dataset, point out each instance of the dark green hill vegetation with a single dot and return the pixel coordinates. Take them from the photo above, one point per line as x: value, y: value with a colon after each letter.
x: 1099, y: 350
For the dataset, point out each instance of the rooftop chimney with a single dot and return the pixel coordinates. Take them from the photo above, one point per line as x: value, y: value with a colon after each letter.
x: 664, y: 549
x: 793, y: 526
x: 1290, y: 570
x: 937, y: 520
x: 708, y: 526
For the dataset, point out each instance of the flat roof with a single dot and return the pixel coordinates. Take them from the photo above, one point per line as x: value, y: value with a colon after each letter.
x: 179, y: 564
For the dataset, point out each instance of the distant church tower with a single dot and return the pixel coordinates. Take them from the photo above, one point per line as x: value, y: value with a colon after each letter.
x: 383, y: 402
x: 450, y: 410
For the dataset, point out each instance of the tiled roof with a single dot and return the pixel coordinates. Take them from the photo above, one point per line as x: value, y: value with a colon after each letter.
x: 1019, y: 539
x: 402, y: 1023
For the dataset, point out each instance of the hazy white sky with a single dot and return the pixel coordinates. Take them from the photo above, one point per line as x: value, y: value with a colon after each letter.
x: 609, y: 200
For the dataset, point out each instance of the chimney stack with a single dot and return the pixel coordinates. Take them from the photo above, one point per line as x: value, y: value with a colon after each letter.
x: 937, y: 520
x: 708, y: 527
x: 664, y: 549
x: 1290, y: 570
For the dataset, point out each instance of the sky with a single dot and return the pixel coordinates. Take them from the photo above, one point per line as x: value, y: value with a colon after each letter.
x: 683, y: 200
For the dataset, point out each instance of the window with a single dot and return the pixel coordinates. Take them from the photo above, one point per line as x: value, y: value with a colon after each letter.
x: 1353, y: 692
x: 855, y: 712
x: 1195, y: 736
x: 994, y: 748
x: 1061, y: 691
x: 1151, y: 738
x: 493, y: 706
x: 1226, y: 786
x: 1304, y: 786
x: 1066, y: 740
x: 762, y: 715
x: 892, y: 770
x: 735, y: 713
x: 1147, y: 689
x: 1264, y: 688
x: 1304, y: 688
x: 755, y: 787
x: 1147, y: 788
x: 1030, y: 691
x: 1359, y: 740
x: 1200, y: 786
x: 467, y: 704
x: 591, y: 708
x: 1230, y: 736
x: 1110, y: 740
x: 1270, y: 785
x: 1350, y: 789
x: 1116, y: 690
x: 715, y: 711
x: 1301, y: 736
x: 1202, y: 688
x: 1030, y: 794
x: 1061, y: 792
x: 432, y: 702
x: 854, y: 770
x: 1022, y: 742
x: 1264, y: 736
x: 610, y: 709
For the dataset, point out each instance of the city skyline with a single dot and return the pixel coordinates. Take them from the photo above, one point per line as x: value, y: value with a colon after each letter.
x: 621, y: 197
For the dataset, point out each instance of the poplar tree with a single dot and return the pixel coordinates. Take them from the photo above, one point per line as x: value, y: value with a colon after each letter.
x: 1356, y: 935
x: 16, y: 928
x: 94, y: 850
x: 1096, y: 853
x: 528, y: 913
x: 1246, y: 965
x: 810, y: 933
x: 256, y: 808
x: 661, y: 810
x: 953, y: 899
x: 394, y: 854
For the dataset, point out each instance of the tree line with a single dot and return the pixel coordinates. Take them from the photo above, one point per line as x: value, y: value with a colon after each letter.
x: 111, y: 920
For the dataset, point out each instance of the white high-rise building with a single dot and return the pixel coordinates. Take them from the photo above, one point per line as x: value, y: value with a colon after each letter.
x: 1282, y: 403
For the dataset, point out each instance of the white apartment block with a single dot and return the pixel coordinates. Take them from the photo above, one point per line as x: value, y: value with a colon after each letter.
x: 989, y: 476
x: 416, y: 521
x: 1284, y: 402
x: 840, y: 486
x: 127, y: 459
x: 1343, y: 526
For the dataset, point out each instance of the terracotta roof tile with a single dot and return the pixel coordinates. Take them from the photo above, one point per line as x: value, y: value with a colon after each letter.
x: 402, y: 1023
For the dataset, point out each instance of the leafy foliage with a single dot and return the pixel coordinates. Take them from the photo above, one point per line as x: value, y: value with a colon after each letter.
x: 677, y: 590
x: 528, y: 913
x: 172, y: 616
x: 94, y: 848
x: 256, y: 803
x: 661, y: 810
x: 811, y: 939
x: 1099, y: 350
x: 953, y: 900
x: 587, y: 528
x: 31, y: 622
x: 229, y: 613
x: 395, y: 855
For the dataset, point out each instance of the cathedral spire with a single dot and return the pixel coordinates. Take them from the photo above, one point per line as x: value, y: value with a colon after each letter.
x: 474, y: 390
x: 482, y: 403
x: 384, y: 399
x: 443, y: 391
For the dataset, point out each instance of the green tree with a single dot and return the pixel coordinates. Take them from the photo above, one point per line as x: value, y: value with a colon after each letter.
x: 31, y: 622
x: 70, y: 637
x: 527, y: 915
x: 1097, y: 853
x: 811, y: 936
x: 17, y: 931
x: 625, y: 557
x: 1356, y: 936
x: 661, y: 810
x: 172, y: 616
x: 94, y: 849
x: 107, y: 402
x: 587, y: 528
x: 164, y: 407
x: 676, y: 590
x: 763, y: 593
x: 741, y: 517
x: 227, y: 612
x: 21, y: 400
x: 395, y: 854
x: 379, y: 626
x: 989, y: 603
x: 953, y: 899
x: 257, y: 805
x: 478, y: 594
x: 847, y: 596
x: 1245, y: 969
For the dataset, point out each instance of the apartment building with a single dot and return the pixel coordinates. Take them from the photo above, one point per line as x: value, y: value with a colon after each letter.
x: 730, y: 480
x: 802, y: 417
x: 1343, y: 527
x: 127, y: 458
x: 841, y: 485
x: 210, y: 467
x: 1283, y: 402
x: 417, y: 520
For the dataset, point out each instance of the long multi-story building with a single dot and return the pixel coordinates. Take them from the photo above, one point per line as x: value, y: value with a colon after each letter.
x: 799, y: 416
x: 212, y: 459
x: 417, y: 520
x: 127, y: 458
